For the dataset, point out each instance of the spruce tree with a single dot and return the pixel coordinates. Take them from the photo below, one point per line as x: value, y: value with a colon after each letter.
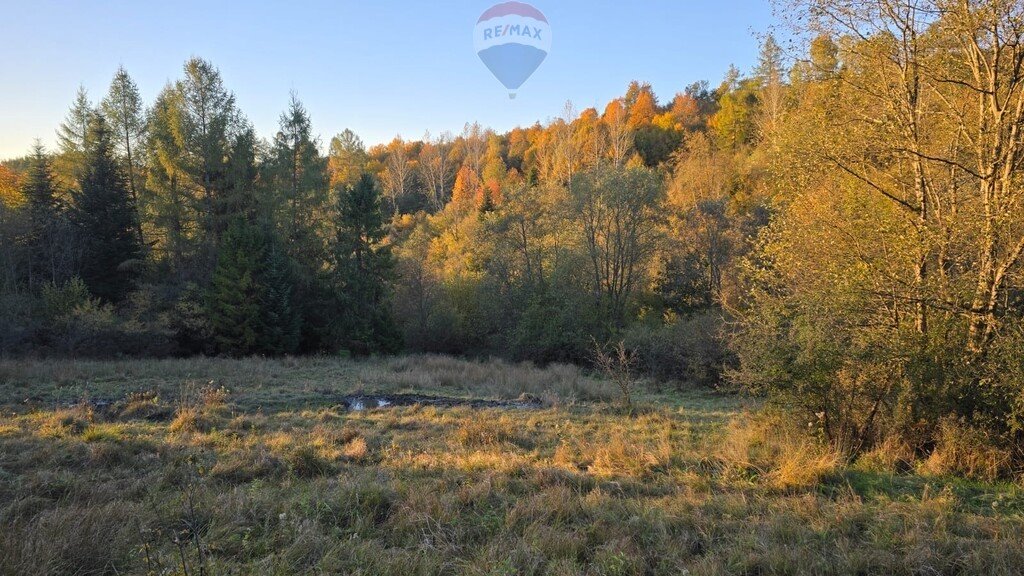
x: 39, y: 190
x: 250, y: 302
x: 281, y: 318
x: 123, y: 109
x: 105, y: 217
x: 297, y: 195
x: 233, y: 299
x: 298, y: 175
x: 40, y: 193
x: 364, y: 272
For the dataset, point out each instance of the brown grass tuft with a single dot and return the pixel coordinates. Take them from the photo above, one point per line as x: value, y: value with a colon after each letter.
x: 890, y: 456
x: 485, y: 430
x: 306, y: 461
x: 189, y: 419
x: 621, y: 456
x: 802, y: 466
x: 355, y: 450
x: 778, y: 456
x: 199, y: 408
x: 66, y: 422
x: 967, y: 451
x: 142, y: 405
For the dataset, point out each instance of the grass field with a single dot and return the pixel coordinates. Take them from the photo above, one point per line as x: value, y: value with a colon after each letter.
x: 255, y: 467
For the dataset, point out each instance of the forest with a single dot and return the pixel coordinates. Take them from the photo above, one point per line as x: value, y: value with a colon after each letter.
x: 838, y: 231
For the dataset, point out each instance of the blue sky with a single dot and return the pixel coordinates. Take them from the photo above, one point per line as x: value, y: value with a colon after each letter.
x: 381, y: 67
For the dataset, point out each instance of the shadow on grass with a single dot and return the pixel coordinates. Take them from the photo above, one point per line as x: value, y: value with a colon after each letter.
x: 984, y: 498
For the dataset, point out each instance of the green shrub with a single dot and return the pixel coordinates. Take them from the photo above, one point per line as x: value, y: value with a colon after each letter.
x: 690, y: 349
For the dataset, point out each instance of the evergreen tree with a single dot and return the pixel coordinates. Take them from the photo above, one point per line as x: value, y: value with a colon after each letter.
x: 39, y: 190
x: 233, y: 300
x: 73, y: 139
x: 40, y: 193
x: 281, y: 319
x: 299, y: 179
x: 364, y: 271
x: 297, y: 183
x: 249, y: 302
x: 239, y: 197
x: 123, y: 110
x: 104, y: 214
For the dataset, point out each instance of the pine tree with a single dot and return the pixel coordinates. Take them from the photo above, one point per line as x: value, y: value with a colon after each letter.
x: 105, y: 217
x: 364, y: 271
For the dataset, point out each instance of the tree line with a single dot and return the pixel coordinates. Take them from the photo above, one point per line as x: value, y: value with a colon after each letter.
x: 175, y: 220
x: 175, y: 230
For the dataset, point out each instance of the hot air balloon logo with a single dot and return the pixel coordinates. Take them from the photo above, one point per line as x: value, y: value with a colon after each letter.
x: 512, y: 39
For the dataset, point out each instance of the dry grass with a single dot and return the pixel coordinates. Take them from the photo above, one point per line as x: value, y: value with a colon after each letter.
x: 199, y: 408
x: 491, y: 378
x: 621, y: 457
x: 487, y: 429
x: 65, y: 422
x: 891, y: 456
x: 967, y: 451
x: 274, y: 477
x: 775, y: 454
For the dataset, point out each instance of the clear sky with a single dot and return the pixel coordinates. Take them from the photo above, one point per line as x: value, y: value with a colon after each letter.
x: 380, y: 67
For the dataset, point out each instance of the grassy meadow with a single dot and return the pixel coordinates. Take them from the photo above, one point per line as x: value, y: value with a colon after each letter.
x: 214, y: 466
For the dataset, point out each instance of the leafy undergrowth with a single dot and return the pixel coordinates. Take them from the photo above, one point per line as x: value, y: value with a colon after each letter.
x: 257, y: 472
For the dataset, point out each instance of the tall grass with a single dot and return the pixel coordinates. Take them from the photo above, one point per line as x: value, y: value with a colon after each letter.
x: 263, y: 472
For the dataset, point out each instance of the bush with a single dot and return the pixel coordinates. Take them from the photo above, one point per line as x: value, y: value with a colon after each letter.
x: 61, y: 302
x: 554, y: 327
x: 864, y: 387
x: 97, y: 331
x: 189, y: 322
x: 65, y: 320
x: 690, y: 349
x: 17, y: 326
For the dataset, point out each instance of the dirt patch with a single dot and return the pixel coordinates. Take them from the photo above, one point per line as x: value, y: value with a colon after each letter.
x: 127, y: 409
x: 357, y: 402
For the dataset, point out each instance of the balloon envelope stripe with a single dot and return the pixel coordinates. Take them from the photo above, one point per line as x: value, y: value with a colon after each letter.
x: 514, y: 9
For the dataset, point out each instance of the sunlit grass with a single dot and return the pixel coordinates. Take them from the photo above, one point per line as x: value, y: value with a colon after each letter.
x: 275, y: 477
